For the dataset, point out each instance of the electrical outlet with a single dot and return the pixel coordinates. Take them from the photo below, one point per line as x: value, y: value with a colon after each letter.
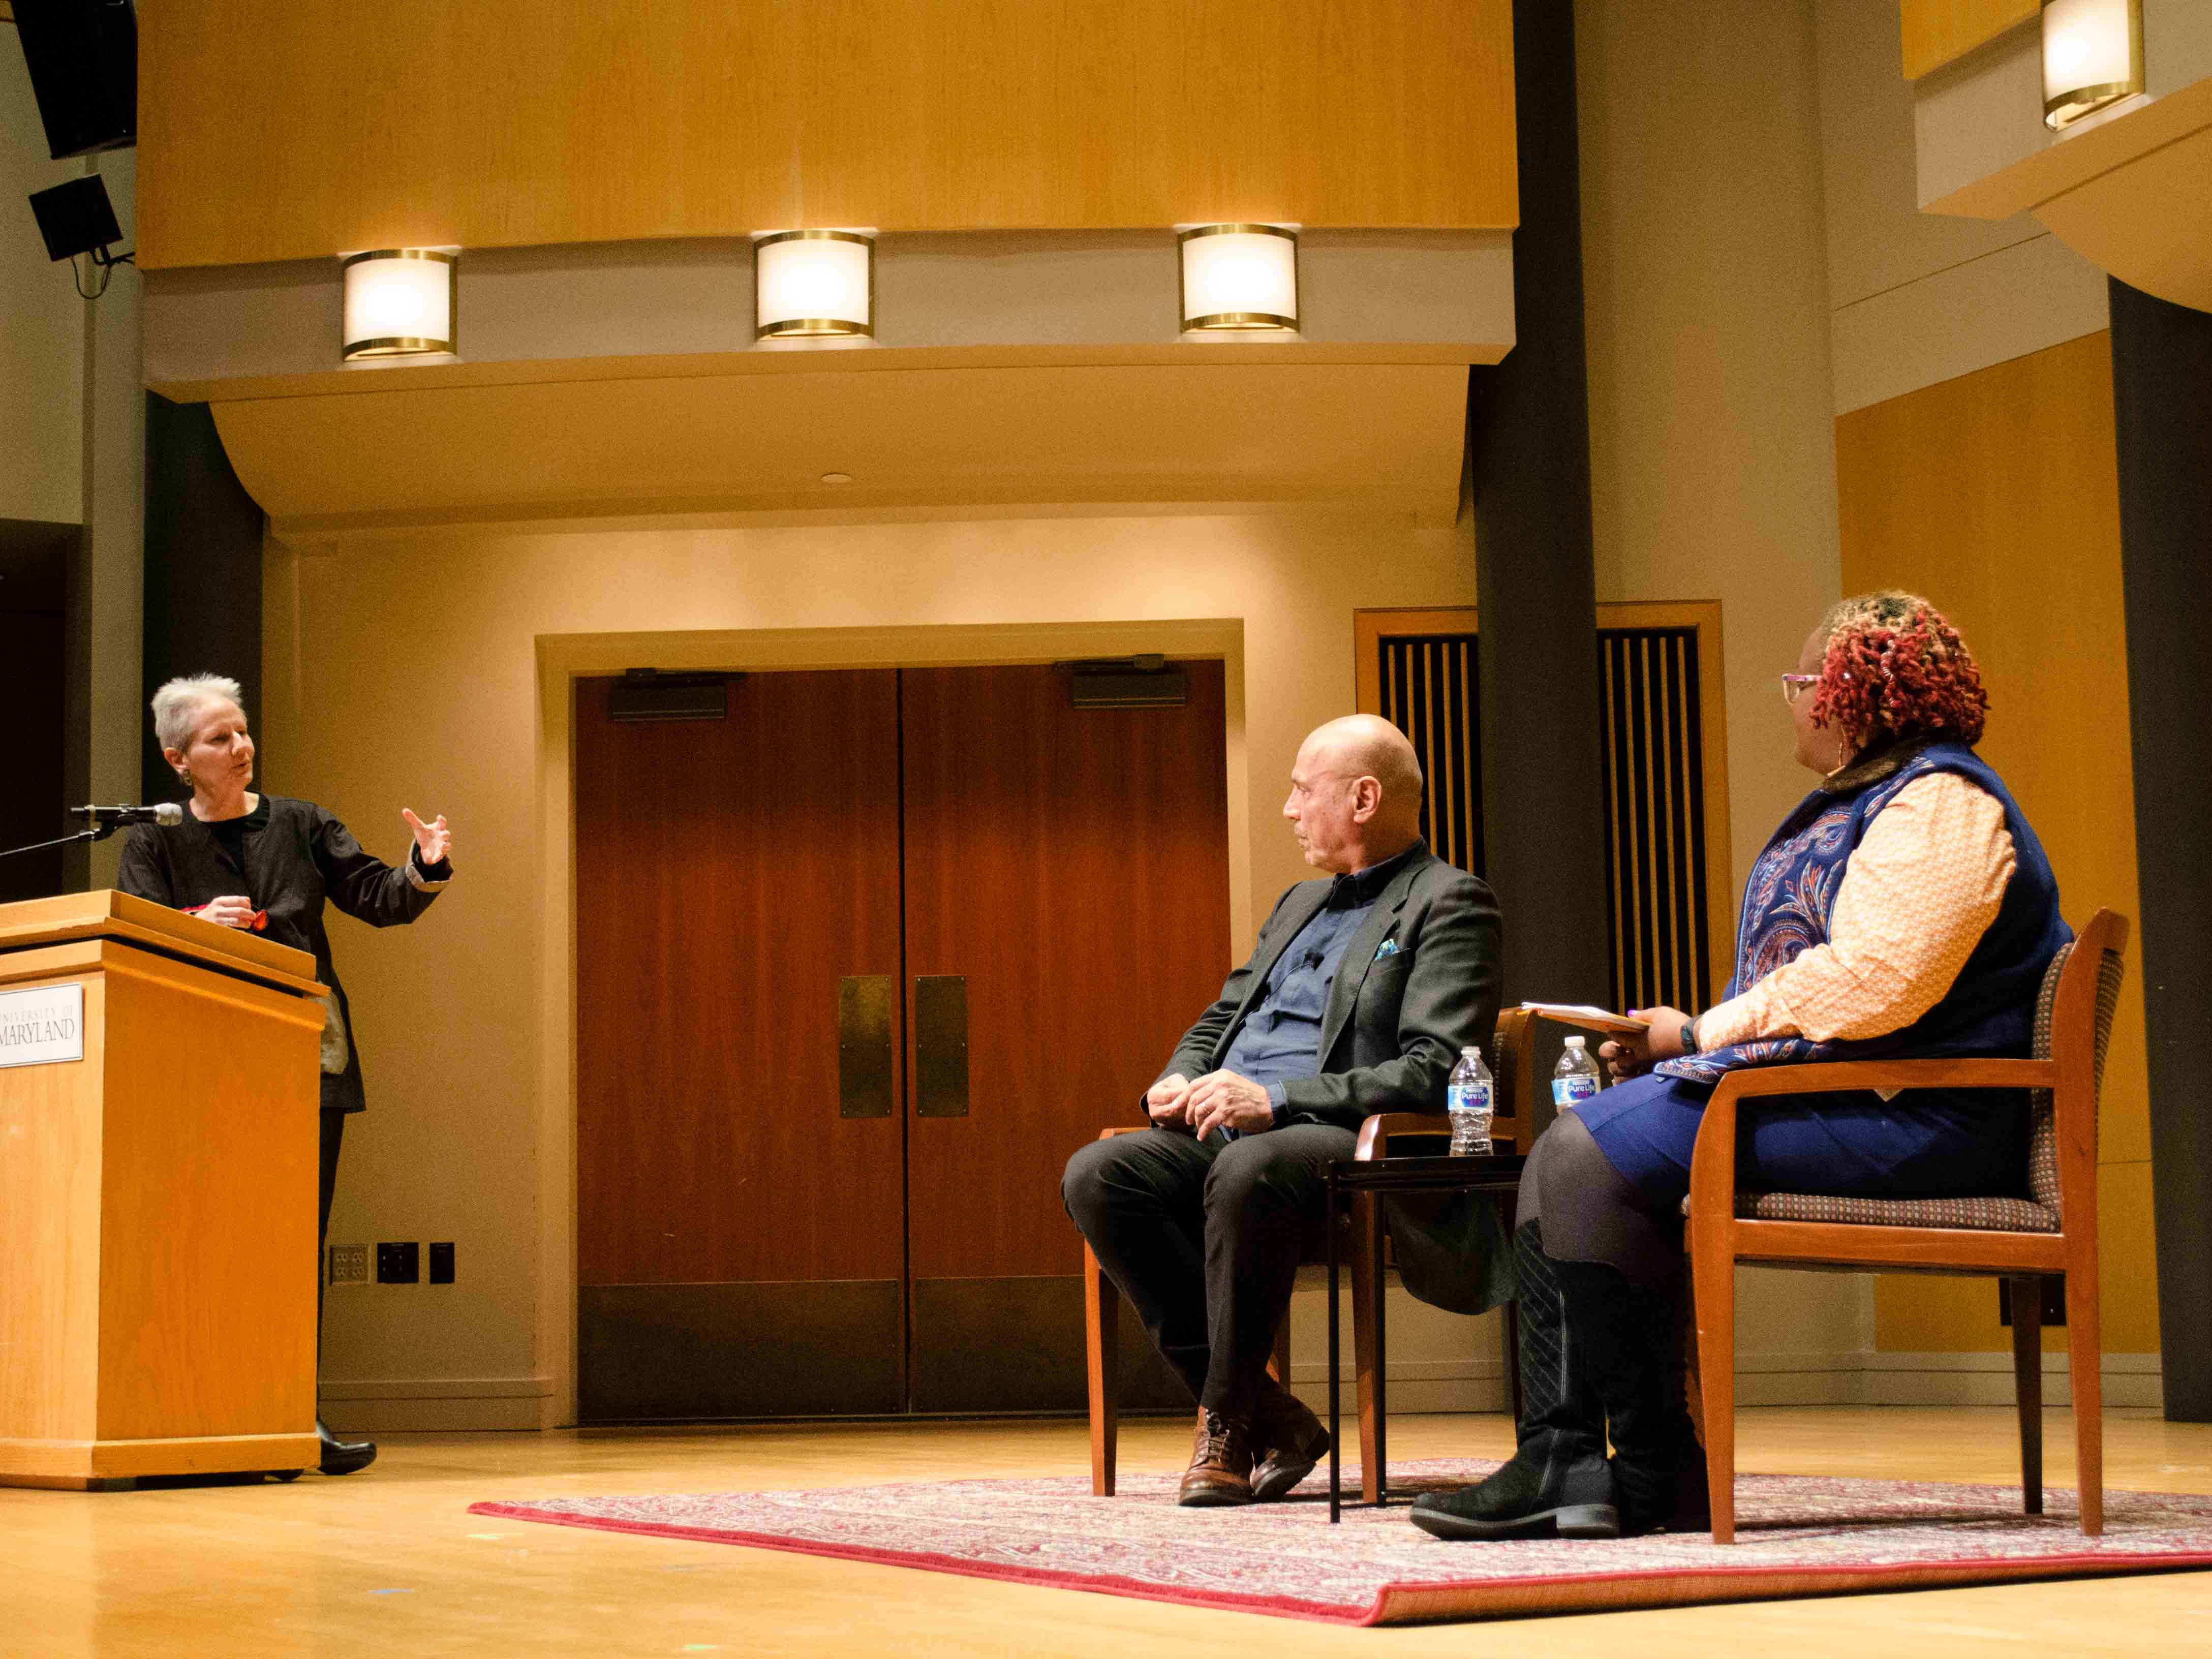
x: 441, y: 1263
x: 349, y: 1264
x: 399, y: 1264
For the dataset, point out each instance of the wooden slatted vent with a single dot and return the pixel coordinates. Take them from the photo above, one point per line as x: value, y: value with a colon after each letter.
x: 1653, y: 763
x: 1429, y: 693
x: 1653, y: 773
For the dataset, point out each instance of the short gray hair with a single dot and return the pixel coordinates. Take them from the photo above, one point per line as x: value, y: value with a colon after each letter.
x: 176, y: 705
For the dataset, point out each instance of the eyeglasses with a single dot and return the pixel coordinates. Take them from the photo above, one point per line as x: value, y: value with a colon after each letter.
x: 1795, y: 686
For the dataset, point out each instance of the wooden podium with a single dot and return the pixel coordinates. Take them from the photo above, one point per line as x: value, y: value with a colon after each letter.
x: 157, y: 1195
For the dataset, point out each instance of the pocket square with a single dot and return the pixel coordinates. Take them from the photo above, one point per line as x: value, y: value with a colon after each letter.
x: 1389, y: 948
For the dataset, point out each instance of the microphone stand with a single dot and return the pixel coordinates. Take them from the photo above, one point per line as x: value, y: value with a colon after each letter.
x: 98, y: 832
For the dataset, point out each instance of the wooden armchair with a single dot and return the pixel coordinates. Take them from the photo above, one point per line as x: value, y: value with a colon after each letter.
x: 1513, y: 1083
x: 2051, y: 1232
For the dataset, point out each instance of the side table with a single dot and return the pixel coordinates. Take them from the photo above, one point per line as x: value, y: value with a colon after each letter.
x: 1497, y: 1173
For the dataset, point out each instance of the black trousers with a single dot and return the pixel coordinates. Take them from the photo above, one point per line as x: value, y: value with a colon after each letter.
x: 1205, y: 1239
x: 333, y: 1137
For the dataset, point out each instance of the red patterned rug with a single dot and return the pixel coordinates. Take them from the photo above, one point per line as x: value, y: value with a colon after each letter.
x: 1797, y: 1536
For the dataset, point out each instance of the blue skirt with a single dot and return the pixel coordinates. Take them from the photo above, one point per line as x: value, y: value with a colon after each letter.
x: 1926, y: 1143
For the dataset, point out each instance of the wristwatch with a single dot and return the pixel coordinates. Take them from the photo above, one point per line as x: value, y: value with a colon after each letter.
x: 1689, y: 1036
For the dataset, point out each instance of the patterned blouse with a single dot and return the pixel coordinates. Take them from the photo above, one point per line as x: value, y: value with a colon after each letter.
x: 1916, y: 896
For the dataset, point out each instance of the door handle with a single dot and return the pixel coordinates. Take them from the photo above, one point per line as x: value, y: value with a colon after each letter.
x: 940, y: 1045
x: 865, y: 1072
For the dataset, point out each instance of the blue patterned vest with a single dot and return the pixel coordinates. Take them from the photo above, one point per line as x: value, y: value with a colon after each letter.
x: 1989, y: 1010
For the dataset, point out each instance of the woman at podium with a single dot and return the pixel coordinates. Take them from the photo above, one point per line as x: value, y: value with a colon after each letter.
x: 269, y: 865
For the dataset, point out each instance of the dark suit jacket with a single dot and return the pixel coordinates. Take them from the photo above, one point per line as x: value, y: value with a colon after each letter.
x: 302, y: 858
x: 1393, y: 1027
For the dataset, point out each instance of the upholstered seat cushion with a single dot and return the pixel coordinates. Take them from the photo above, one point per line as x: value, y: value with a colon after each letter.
x: 1997, y: 1215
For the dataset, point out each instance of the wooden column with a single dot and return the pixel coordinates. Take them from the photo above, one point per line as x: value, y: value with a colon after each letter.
x: 2162, y: 403
x: 1529, y: 456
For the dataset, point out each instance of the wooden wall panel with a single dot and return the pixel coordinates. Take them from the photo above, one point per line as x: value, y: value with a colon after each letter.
x: 1072, y: 866
x: 1936, y: 31
x: 726, y: 880
x: 274, y: 131
x: 1996, y: 495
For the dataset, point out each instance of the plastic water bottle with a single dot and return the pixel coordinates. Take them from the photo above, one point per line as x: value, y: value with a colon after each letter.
x: 1574, y: 1079
x: 1470, y: 1103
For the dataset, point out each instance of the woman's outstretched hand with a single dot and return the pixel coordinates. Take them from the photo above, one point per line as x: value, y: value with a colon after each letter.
x: 433, y: 841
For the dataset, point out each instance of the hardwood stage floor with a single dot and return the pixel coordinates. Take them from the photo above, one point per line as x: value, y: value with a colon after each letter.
x: 388, y: 1562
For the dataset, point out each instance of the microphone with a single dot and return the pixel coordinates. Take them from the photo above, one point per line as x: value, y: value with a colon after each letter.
x: 167, y: 813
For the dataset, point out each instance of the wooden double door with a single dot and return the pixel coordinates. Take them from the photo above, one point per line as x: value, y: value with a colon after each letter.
x: 860, y: 963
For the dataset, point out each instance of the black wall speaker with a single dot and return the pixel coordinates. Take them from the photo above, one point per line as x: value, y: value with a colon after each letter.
x: 83, y: 59
x: 76, y: 218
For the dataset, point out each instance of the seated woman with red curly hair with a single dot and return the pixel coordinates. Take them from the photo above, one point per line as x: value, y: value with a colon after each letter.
x: 1904, y: 908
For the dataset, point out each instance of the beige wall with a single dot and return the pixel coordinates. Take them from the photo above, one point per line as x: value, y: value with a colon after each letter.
x: 1711, y: 453
x: 41, y: 326
x: 1920, y: 298
x: 72, y: 448
x: 425, y: 670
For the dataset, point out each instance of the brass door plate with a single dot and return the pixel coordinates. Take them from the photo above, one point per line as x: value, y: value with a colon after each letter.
x: 940, y: 1045
x: 866, y: 1080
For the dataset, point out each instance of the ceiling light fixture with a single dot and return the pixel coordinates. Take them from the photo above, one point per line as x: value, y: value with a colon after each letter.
x: 813, y: 285
x: 400, y: 301
x: 2092, y: 56
x: 1240, y: 278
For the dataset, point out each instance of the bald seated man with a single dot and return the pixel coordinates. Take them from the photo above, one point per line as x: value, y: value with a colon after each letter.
x: 1360, y: 993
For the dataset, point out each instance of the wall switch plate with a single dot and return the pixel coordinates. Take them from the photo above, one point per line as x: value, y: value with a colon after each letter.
x: 399, y: 1264
x: 349, y: 1264
x: 441, y: 1263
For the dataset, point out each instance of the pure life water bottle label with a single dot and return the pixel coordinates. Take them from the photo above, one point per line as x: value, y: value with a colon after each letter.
x: 1574, y: 1080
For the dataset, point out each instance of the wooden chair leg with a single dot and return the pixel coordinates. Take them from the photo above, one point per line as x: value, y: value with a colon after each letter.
x: 2025, y: 1296
x: 2086, y: 1366
x: 1101, y: 1348
x: 1712, y: 1268
x: 1366, y: 1348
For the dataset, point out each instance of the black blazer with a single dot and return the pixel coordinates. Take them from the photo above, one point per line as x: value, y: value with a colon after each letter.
x: 1394, y: 1026
x: 302, y: 858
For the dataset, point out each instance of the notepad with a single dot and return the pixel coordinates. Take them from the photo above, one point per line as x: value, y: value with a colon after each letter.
x: 1581, y: 1013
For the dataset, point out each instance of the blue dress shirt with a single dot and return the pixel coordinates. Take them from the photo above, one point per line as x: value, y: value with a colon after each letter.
x: 1280, y: 1038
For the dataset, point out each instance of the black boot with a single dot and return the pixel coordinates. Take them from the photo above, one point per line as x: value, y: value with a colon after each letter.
x: 343, y: 1457
x: 1632, y: 1345
x: 1557, y: 1482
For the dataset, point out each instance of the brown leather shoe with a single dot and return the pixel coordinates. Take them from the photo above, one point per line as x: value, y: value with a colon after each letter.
x: 1220, y: 1470
x: 1288, y: 1441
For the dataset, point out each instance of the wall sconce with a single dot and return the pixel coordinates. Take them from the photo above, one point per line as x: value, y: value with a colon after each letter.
x: 2092, y: 56
x: 1239, y: 278
x: 813, y: 285
x: 400, y: 301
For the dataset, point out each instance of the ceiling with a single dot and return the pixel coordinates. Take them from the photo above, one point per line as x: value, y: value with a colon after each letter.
x: 1372, y: 437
